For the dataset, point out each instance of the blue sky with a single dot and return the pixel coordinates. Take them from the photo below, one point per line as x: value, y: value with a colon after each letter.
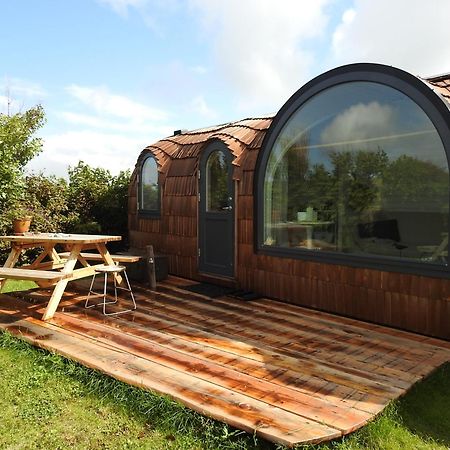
x: 117, y: 75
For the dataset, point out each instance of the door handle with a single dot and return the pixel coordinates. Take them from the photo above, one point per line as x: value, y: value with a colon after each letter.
x: 227, y: 208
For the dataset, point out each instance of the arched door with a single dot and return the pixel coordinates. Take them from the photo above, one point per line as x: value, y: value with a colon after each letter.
x: 216, y: 212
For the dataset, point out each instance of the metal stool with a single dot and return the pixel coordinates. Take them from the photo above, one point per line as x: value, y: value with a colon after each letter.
x: 114, y: 270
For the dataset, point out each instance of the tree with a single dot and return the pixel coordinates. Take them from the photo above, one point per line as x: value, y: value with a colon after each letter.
x: 99, y: 199
x: 112, y: 206
x: 87, y: 185
x: 48, y: 198
x: 415, y: 184
x: 18, y: 145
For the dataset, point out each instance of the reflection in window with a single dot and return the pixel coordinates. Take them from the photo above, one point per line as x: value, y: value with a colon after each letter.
x: 149, y: 189
x: 217, y: 189
x: 359, y: 169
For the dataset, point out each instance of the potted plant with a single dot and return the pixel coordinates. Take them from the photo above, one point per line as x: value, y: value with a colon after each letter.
x: 21, y: 217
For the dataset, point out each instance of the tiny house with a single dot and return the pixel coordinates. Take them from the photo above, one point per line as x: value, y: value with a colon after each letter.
x: 340, y: 202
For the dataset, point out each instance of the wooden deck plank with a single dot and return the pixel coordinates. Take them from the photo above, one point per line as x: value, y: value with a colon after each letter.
x: 344, y: 419
x: 227, y: 335
x: 403, y: 338
x: 241, y: 356
x: 394, y: 337
x: 259, y: 362
x: 354, y: 344
x: 330, y: 328
x: 268, y: 421
x: 293, y: 377
x: 307, y: 366
x: 369, y: 401
x: 326, y: 377
x: 270, y: 351
x: 256, y: 333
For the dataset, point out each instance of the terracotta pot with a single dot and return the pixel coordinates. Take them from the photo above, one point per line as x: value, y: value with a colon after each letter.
x: 21, y: 226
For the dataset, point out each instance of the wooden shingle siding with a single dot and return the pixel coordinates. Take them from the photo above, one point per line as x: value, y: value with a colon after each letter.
x: 420, y: 304
x: 175, y: 232
x: 412, y: 302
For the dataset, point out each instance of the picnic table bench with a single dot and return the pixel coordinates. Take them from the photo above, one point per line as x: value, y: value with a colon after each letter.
x: 98, y: 257
x: 31, y: 274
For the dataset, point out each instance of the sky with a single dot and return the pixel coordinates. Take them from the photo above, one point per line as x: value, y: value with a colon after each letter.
x: 115, y: 76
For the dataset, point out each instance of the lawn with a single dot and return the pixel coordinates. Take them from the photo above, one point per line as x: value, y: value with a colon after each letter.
x: 49, y: 402
x: 17, y: 285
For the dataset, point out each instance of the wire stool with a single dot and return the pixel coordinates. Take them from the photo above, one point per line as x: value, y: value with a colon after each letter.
x: 114, y: 270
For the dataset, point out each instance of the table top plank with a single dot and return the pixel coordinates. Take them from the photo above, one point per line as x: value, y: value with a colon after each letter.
x: 61, y: 238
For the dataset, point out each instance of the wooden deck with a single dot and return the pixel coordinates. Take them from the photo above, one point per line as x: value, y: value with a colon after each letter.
x: 291, y: 374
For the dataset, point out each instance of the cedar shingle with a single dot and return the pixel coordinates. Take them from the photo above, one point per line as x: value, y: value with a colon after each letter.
x: 441, y: 85
x: 177, y: 156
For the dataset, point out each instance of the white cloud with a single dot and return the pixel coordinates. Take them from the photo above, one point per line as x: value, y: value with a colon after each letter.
x: 199, y: 106
x: 152, y: 12
x: 109, y: 131
x: 112, y: 151
x: 266, y: 50
x: 104, y: 102
x: 199, y: 70
x: 92, y: 121
x: 9, y: 105
x: 121, y: 6
x: 410, y: 34
x: 262, y: 46
x: 360, y: 122
x: 17, y: 87
x: 87, y: 120
x: 349, y: 16
x: 18, y: 94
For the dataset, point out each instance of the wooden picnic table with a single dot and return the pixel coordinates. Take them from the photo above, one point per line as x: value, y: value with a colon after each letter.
x: 51, y: 268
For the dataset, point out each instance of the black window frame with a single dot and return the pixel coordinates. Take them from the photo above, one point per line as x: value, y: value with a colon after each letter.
x: 438, y: 111
x: 150, y: 213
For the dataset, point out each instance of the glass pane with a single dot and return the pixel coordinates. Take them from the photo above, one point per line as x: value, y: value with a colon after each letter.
x: 217, y: 193
x: 359, y: 169
x: 149, y: 185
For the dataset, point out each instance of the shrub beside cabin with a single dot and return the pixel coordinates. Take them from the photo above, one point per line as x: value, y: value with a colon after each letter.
x: 340, y: 202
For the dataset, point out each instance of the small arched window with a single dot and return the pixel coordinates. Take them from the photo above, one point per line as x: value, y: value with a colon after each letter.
x: 149, y: 192
x: 355, y: 170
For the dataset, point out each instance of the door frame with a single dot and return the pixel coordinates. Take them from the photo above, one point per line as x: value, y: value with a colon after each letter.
x: 213, y: 146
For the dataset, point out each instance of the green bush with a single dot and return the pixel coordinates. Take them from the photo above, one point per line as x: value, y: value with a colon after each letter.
x: 93, y: 201
x: 48, y: 199
x: 100, y: 200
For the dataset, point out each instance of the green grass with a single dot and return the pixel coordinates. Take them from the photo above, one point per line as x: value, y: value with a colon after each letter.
x: 17, y: 285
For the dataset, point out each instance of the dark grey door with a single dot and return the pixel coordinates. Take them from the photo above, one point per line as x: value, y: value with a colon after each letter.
x: 216, y: 212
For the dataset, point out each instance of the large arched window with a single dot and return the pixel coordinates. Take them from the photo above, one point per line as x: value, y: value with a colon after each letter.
x: 149, y: 195
x: 355, y: 170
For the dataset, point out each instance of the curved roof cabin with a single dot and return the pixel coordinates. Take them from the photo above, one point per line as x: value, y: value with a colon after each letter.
x: 339, y: 202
